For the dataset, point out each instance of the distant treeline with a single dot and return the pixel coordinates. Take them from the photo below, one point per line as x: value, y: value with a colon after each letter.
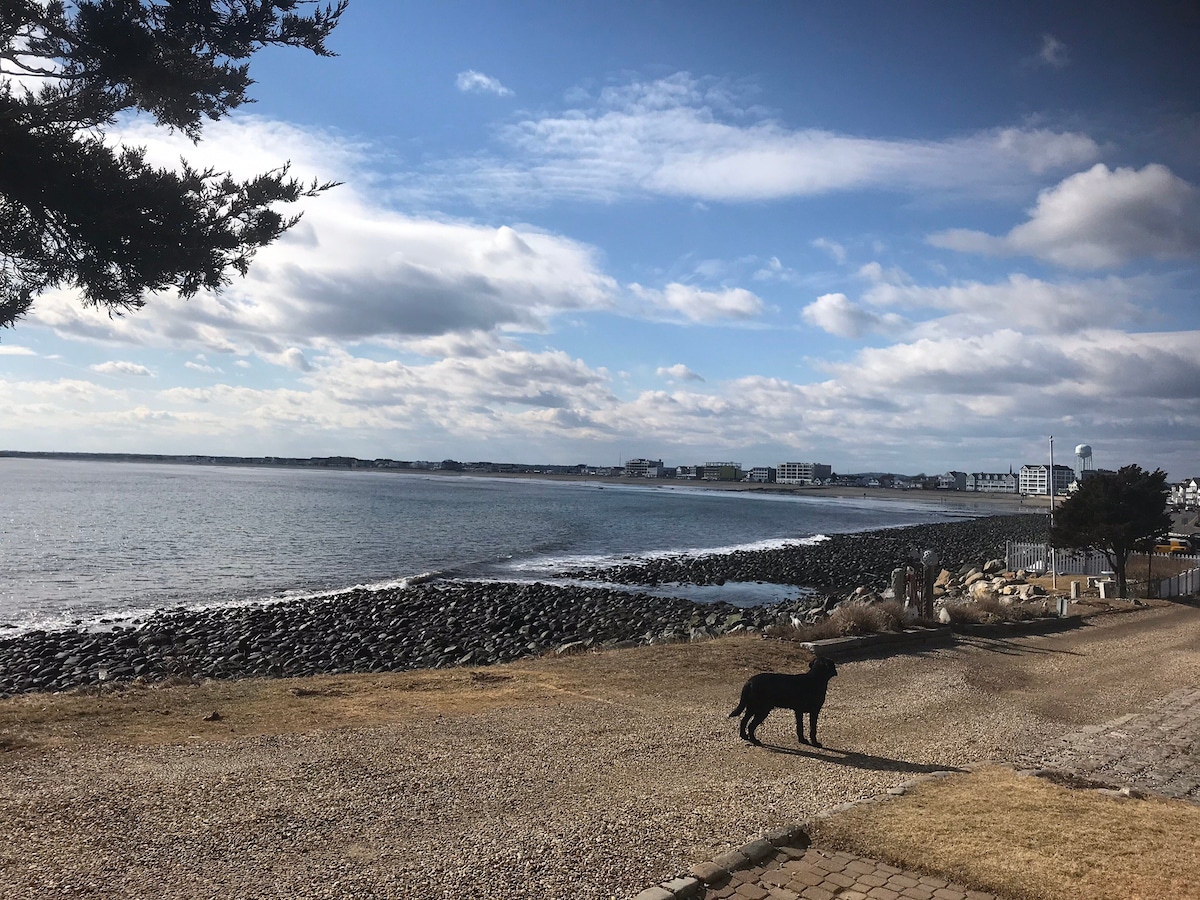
x: 313, y: 462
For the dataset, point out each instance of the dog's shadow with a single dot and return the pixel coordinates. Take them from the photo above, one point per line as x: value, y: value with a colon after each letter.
x: 858, y: 760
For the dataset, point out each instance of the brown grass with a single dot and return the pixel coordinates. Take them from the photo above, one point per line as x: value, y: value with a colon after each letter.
x: 1026, y: 838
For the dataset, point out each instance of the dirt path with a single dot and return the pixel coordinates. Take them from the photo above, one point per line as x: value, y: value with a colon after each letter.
x: 591, y: 776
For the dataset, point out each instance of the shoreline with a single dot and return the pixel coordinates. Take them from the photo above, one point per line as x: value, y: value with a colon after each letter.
x: 441, y: 624
x: 1001, y: 503
x: 979, y: 500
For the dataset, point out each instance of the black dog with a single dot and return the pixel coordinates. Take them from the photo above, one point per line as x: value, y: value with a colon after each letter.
x: 801, y: 693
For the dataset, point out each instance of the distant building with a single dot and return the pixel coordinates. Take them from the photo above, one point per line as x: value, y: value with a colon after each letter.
x: 992, y: 482
x: 643, y: 468
x: 762, y: 475
x: 802, y: 473
x: 1186, y: 494
x: 689, y: 472
x: 952, y: 481
x: 722, y: 471
x: 1036, y: 479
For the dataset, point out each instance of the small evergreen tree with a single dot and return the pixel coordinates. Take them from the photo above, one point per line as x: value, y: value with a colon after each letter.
x: 76, y: 212
x: 1115, y: 513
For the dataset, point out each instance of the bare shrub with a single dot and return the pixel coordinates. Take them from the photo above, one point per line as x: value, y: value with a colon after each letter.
x: 895, y: 616
x: 987, y: 609
x: 855, y: 618
x: 816, y: 631
x: 848, y: 619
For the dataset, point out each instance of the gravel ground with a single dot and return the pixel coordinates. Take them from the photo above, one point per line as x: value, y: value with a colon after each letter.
x: 594, y: 793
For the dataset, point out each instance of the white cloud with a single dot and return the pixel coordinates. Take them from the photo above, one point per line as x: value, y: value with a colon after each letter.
x: 120, y: 367
x: 1030, y: 305
x: 875, y: 272
x: 1099, y: 218
x: 833, y: 248
x: 775, y: 271
x: 678, y: 372
x: 699, y: 305
x: 686, y: 137
x: 836, y: 314
x: 199, y: 367
x: 471, y: 81
x: 293, y: 358
x: 16, y: 350
x: 1053, y: 52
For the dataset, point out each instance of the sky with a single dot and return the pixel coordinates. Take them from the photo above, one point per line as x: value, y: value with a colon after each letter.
x: 888, y: 237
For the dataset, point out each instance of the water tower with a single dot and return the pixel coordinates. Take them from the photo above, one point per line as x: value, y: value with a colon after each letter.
x: 1083, y: 461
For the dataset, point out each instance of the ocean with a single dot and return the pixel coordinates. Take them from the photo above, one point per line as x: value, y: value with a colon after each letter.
x: 90, y: 542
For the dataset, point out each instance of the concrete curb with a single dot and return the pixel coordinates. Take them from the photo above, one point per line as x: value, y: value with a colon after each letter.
x: 838, y: 648
x: 1017, y: 629
x: 723, y: 865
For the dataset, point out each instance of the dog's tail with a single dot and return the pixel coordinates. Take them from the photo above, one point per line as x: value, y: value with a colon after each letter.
x: 741, y: 707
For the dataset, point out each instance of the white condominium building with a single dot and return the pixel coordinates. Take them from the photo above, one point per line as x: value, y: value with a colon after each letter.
x: 801, y: 473
x: 1035, y: 479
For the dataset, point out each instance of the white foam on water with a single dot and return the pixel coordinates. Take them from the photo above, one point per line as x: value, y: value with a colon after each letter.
x: 562, y: 562
x: 76, y: 620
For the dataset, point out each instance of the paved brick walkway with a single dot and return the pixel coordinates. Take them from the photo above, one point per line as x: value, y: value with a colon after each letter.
x: 813, y: 874
x: 783, y: 866
x: 1158, y: 750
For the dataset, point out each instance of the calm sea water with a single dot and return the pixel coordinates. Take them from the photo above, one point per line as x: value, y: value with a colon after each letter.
x: 81, y: 541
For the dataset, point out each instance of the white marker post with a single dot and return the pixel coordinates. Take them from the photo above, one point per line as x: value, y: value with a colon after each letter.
x: 1050, y: 488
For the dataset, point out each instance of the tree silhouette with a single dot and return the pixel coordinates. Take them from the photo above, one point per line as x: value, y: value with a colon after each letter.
x: 1115, y: 513
x: 77, y: 212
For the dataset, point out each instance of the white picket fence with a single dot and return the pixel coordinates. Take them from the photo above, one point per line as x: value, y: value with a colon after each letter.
x: 1185, y: 584
x: 1036, y: 558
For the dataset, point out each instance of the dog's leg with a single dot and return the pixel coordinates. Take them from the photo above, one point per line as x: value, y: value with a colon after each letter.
x: 758, y: 719
x: 800, y: 727
x: 742, y: 732
x: 812, y: 731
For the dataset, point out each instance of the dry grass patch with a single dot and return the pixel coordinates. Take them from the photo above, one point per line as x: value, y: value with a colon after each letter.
x: 175, y: 711
x: 1026, y: 838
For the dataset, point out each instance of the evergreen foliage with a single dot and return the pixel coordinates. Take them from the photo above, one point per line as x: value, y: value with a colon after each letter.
x: 76, y: 212
x: 1115, y: 513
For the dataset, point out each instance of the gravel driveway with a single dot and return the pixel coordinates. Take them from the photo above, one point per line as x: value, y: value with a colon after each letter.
x: 626, y: 774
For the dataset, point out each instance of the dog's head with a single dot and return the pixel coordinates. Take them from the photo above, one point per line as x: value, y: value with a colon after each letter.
x: 822, y: 667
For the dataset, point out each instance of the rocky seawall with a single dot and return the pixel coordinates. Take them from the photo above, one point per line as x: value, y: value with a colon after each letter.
x: 843, y: 562
x: 479, y: 623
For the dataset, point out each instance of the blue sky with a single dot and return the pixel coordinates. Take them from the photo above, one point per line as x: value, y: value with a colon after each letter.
x: 901, y: 237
